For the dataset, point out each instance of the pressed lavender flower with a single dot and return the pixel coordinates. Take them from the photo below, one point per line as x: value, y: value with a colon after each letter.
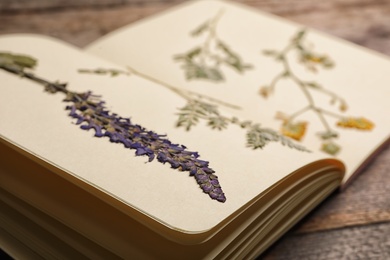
x: 90, y: 113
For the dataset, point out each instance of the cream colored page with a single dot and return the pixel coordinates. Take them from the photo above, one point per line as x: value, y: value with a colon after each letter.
x: 359, y: 76
x: 38, y: 122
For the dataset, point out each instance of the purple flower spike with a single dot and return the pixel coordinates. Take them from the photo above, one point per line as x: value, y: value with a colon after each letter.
x: 91, y: 113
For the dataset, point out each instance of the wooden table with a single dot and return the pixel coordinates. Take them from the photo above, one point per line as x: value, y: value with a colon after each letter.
x: 354, y: 224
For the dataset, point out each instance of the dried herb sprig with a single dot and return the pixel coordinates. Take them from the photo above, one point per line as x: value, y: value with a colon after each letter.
x: 201, y: 107
x: 90, y: 113
x: 256, y: 136
x: 311, y: 60
x: 204, y: 61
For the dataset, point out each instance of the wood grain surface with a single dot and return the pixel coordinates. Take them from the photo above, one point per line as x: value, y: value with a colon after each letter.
x: 353, y: 224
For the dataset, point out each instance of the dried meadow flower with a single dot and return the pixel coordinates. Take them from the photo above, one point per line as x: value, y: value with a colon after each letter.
x: 90, y: 113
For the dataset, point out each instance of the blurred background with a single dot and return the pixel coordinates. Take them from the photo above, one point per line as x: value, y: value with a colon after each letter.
x: 365, y: 22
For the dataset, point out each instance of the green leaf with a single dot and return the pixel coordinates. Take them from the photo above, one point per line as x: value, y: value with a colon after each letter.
x: 187, y: 120
x: 197, y: 71
x: 16, y: 60
x: 298, y: 37
x: 213, y: 74
x: 232, y: 59
x: 226, y: 49
x: 258, y: 137
x: 330, y: 148
x: 193, y: 53
x: 217, y: 122
x: 209, y: 108
x: 245, y: 124
x: 188, y: 56
x: 328, y: 63
x: 195, y: 110
x: 188, y: 116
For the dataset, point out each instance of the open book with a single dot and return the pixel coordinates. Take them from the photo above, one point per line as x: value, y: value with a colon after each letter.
x: 212, y: 129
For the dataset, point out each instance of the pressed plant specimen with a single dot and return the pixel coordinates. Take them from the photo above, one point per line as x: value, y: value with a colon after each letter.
x: 204, y: 61
x: 90, y: 112
x: 312, y: 61
x: 201, y: 107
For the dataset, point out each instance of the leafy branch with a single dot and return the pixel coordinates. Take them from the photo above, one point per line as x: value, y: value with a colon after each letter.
x: 204, y: 108
x: 204, y: 61
x: 256, y: 136
x: 310, y: 60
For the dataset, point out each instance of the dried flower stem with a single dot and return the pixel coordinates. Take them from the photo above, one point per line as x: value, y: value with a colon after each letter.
x: 203, y: 107
x: 310, y: 60
x: 90, y: 112
x: 287, y: 72
x: 204, y: 60
x: 186, y: 94
x: 212, y: 36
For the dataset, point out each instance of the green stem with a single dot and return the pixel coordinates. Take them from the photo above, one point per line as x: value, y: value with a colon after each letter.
x: 301, y: 111
x: 275, y: 81
x: 333, y: 95
x: 211, y: 36
x: 186, y: 94
x: 323, y: 111
x: 299, y: 82
x: 323, y: 120
x: 303, y: 86
x: 43, y: 82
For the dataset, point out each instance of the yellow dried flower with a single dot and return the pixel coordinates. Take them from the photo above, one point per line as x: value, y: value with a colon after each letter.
x: 315, y: 59
x: 264, y: 91
x: 343, y: 107
x: 311, y: 59
x: 358, y: 123
x: 294, y: 130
